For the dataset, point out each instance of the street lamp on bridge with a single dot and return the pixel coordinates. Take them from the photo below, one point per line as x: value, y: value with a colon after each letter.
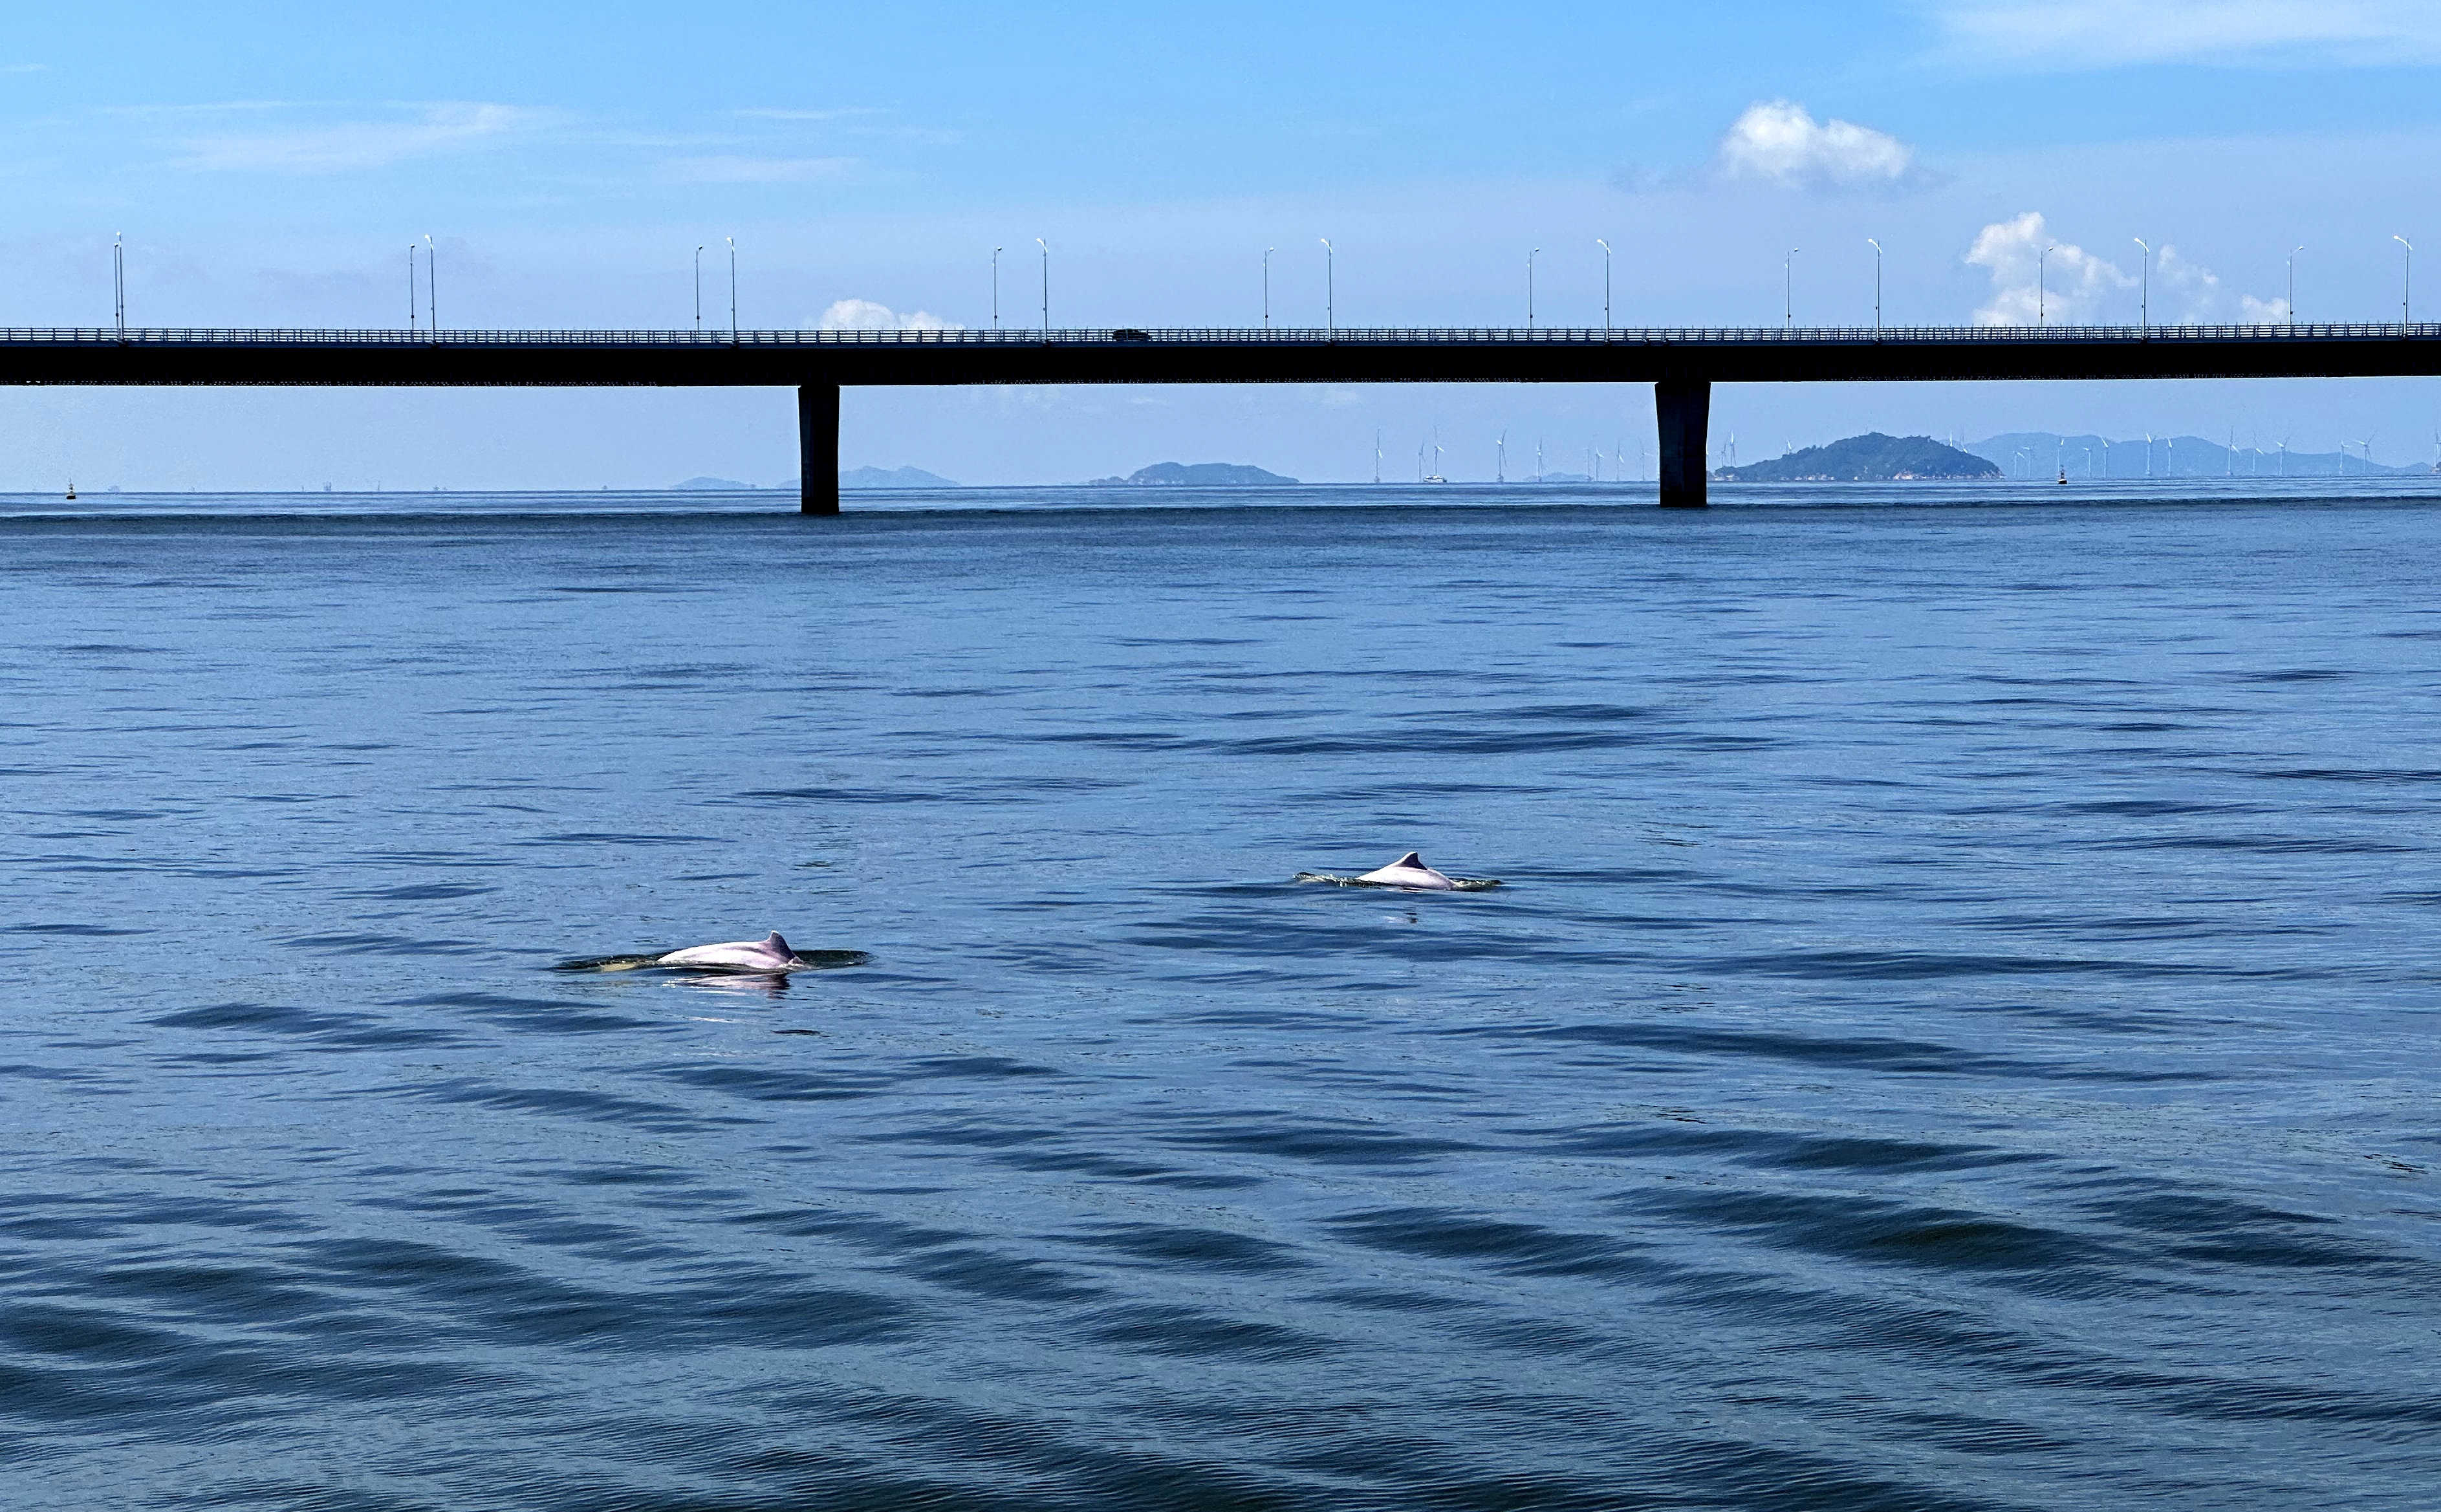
x: 1529, y: 288
x: 1330, y: 287
x: 2144, y: 301
x: 1788, y: 289
x: 1877, y: 281
x: 2406, y: 281
x: 1606, y: 246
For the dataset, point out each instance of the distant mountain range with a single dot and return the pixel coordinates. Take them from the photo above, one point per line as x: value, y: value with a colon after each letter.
x: 2042, y: 454
x: 1195, y: 475
x: 1870, y: 457
x: 892, y: 477
x: 850, y: 478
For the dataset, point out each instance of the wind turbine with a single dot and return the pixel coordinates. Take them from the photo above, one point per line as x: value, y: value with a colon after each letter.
x: 2283, y: 454
x: 2148, y: 453
x: 1377, y: 455
x: 2436, y: 451
x: 2366, y: 447
x: 1500, y: 464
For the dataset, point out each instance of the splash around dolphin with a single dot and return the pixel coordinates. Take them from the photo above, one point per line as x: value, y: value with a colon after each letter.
x: 769, y: 957
x: 1408, y: 874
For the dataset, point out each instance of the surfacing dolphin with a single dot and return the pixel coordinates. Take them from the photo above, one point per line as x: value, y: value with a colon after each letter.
x: 1408, y: 874
x: 771, y: 953
x: 768, y: 956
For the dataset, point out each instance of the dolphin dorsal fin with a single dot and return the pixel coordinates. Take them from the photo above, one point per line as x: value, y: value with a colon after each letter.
x: 774, y: 943
x: 1414, y: 859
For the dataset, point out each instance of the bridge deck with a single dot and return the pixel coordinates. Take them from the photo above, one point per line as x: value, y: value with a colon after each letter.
x: 1681, y: 363
x: 691, y: 358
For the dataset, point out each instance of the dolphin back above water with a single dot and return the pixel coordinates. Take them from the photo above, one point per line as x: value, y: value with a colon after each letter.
x: 771, y: 956
x: 771, y: 953
x: 1409, y: 874
x: 1409, y: 871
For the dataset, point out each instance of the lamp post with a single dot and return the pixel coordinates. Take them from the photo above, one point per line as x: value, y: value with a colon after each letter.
x: 411, y: 317
x: 2293, y: 292
x: 2042, y: 286
x: 996, y: 252
x: 1788, y: 289
x: 431, y: 285
x: 732, y: 288
x: 699, y: 291
x: 1878, y: 282
x: 1606, y: 246
x: 2406, y: 281
x: 1046, y: 286
x: 1330, y: 287
x: 1529, y: 288
x: 2145, y: 311
x: 1267, y: 286
x: 118, y: 280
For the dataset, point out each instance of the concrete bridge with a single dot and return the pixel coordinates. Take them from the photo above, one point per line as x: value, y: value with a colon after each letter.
x: 1682, y: 365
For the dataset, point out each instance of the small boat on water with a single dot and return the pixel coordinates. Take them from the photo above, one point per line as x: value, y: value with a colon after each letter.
x: 71, y: 488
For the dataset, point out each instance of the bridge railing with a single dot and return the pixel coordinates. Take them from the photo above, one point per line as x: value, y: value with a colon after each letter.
x: 1211, y: 336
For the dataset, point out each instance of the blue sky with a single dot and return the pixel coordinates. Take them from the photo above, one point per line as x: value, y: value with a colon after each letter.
x: 269, y: 164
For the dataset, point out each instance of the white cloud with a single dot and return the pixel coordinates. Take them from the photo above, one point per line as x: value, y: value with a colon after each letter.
x: 1779, y: 142
x: 866, y: 314
x: 2072, y: 286
x: 2184, y: 290
x: 2083, y: 34
x: 2067, y: 288
x: 340, y: 147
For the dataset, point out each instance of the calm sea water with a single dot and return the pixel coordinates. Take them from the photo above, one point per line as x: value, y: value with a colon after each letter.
x: 1960, y: 1032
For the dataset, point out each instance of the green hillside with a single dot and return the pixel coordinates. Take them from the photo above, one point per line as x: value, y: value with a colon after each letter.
x: 1872, y: 458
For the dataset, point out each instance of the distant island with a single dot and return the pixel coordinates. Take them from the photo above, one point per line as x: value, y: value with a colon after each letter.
x: 892, y: 477
x: 709, y: 485
x: 1872, y: 458
x: 2042, y: 455
x: 1195, y: 475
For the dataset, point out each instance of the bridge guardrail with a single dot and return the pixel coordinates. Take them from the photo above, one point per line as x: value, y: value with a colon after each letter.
x: 1211, y: 336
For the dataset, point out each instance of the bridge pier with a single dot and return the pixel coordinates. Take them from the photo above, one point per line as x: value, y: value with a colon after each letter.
x: 817, y: 416
x: 1684, y: 408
